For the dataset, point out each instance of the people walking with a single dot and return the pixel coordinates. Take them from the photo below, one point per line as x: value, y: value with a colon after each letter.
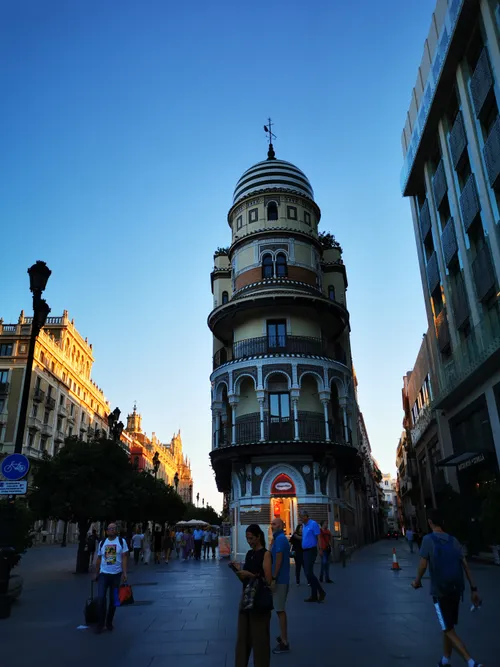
x: 310, y: 534
x: 179, y: 535
x: 215, y: 542
x: 325, y: 551
x: 343, y: 554
x: 157, y: 542
x: 207, y: 542
x: 137, y: 543
x: 92, y: 540
x: 280, y: 553
x: 111, y: 569
x: 167, y: 545
x: 410, y: 538
x: 254, y: 624
x: 443, y: 554
x: 146, y: 547
x: 198, y: 541
x: 298, y: 556
x: 187, y: 544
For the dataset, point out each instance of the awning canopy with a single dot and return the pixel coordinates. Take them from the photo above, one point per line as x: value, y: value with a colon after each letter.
x: 463, y: 460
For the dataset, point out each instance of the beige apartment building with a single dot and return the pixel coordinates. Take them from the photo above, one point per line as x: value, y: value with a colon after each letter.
x: 451, y: 175
x: 64, y: 400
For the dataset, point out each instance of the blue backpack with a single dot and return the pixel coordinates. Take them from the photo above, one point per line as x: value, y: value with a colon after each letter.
x: 447, y: 570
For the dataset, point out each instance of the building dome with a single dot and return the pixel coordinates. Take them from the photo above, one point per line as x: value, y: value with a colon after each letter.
x: 272, y: 174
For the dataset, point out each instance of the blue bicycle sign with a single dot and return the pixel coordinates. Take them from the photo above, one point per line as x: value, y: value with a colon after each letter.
x: 15, y: 466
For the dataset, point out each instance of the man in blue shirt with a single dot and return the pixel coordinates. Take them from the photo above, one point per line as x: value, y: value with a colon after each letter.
x: 198, y: 541
x: 280, y: 552
x: 310, y: 533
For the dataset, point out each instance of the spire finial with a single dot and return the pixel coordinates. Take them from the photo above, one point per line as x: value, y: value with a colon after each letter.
x: 271, y: 155
x: 135, y: 406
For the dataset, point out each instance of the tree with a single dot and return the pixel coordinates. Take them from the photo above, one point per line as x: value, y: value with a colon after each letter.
x: 84, y: 482
x: 151, y: 499
x: 16, y: 526
x: 207, y: 514
x: 328, y: 241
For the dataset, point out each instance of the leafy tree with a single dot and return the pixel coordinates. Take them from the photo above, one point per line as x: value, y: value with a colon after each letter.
x: 150, y: 499
x: 16, y: 520
x: 327, y: 240
x: 84, y: 482
x: 207, y: 514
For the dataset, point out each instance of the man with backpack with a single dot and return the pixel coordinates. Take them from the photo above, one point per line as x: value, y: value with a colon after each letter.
x: 444, y: 556
x: 111, y: 570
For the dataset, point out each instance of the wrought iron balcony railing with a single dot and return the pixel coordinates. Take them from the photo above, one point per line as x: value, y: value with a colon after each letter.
x: 39, y: 395
x: 282, y: 344
x: 310, y: 428
x: 50, y: 402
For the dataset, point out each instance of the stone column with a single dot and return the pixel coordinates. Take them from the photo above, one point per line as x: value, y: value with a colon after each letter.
x: 216, y: 414
x: 294, y: 396
x: 233, y: 402
x: 345, y: 425
x: 261, y: 397
x: 325, y: 399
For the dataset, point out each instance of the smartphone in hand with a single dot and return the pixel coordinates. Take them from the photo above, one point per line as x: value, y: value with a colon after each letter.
x: 233, y: 567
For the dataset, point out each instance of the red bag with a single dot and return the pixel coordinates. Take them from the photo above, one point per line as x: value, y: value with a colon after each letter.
x: 125, y: 595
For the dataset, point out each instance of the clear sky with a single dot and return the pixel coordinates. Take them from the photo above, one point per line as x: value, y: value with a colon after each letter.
x: 123, y: 129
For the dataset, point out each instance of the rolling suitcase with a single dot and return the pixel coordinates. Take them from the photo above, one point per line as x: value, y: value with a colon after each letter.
x: 91, y: 609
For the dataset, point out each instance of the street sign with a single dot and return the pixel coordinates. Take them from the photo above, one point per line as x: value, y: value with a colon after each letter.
x: 15, y: 466
x: 13, y: 488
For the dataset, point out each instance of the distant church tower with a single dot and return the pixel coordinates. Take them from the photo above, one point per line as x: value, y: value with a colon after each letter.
x: 134, y: 422
x: 282, y: 383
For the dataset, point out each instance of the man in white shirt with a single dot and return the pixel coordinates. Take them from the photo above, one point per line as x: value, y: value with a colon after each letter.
x: 137, y: 540
x: 111, y: 570
x: 198, y: 540
x: 207, y: 541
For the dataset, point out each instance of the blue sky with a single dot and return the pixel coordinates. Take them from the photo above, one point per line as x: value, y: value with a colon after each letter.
x: 124, y: 127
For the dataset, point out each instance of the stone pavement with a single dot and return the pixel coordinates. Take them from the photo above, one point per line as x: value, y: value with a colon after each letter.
x: 186, y: 613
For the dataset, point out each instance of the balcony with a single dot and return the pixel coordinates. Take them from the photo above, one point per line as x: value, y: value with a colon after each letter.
x: 425, y: 220
x: 442, y: 331
x: 59, y: 436
x: 424, y: 420
x: 278, y: 345
x: 484, y: 273
x: 50, y: 403
x: 38, y: 395
x: 4, y: 388
x: 491, y: 152
x: 34, y: 424
x: 71, y: 418
x: 311, y: 428
x: 61, y: 410
x: 439, y: 184
x: 471, y: 363
x: 481, y: 82
x: 449, y: 242
x: 460, y: 303
x: 47, y: 429
x: 469, y: 202
x: 433, y: 279
x: 458, y: 139
x: 32, y: 452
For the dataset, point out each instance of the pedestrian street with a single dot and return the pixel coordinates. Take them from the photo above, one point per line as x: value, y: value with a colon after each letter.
x: 186, y: 613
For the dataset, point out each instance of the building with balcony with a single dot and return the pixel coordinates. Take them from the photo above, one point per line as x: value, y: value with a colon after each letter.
x: 283, y: 400
x: 389, y: 488
x: 451, y: 175
x: 172, y: 461
x: 64, y: 400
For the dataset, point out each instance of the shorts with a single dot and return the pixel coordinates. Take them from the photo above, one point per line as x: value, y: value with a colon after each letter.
x: 280, y: 595
x: 447, y: 611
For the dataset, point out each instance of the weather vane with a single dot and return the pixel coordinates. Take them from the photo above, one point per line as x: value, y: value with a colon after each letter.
x: 268, y: 129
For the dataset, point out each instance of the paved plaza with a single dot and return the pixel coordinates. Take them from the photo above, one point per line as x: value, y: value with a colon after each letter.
x: 186, y: 613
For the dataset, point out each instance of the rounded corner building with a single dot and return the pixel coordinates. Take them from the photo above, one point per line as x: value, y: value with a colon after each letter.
x: 283, y: 394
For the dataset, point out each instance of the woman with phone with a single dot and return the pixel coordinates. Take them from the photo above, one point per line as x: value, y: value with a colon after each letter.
x: 254, y: 624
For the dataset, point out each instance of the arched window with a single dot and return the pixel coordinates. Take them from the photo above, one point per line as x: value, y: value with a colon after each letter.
x: 267, y: 267
x: 331, y: 292
x: 225, y: 297
x: 281, y: 267
x: 272, y: 211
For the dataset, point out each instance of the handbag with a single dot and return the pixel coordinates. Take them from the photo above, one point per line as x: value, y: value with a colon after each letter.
x: 257, y: 596
x: 125, y: 595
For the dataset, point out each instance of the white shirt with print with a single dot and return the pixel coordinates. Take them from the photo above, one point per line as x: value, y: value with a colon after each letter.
x: 111, y: 553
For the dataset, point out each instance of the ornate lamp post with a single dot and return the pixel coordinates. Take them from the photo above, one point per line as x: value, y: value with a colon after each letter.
x: 190, y: 493
x: 197, y: 499
x: 156, y: 464
x: 39, y: 274
x: 176, y: 482
x: 115, y: 427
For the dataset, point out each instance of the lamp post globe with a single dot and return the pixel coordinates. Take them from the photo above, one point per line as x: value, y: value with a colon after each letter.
x: 39, y: 275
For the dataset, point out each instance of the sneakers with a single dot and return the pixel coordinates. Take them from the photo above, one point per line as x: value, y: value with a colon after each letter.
x: 321, y: 596
x: 281, y: 648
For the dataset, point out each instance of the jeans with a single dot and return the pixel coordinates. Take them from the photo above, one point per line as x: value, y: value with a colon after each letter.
x: 137, y: 553
x: 325, y: 566
x: 197, y: 549
x: 107, y: 582
x: 410, y: 542
x: 299, y: 564
x: 309, y: 559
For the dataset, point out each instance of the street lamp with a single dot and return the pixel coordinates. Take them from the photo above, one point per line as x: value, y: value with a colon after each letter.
x: 115, y: 427
x: 197, y: 499
x: 39, y: 274
x: 156, y: 464
x: 176, y: 482
x: 190, y: 493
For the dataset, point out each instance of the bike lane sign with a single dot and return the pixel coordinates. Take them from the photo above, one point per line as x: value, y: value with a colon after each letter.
x: 15, y: 467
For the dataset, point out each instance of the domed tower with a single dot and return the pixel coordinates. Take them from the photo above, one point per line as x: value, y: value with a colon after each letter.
x: 282, y: 392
